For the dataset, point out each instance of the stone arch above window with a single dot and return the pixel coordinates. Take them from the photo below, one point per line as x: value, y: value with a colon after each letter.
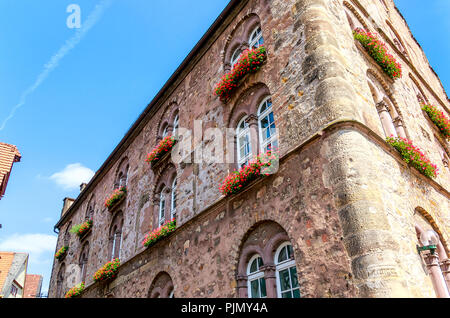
x: 121, y: 177
x: 116, y: 236
x: 168, y: 120
x: 434, y: 225
x: 67, y: 234
x: 418, y: 91
x: 239, y: 38
x: 164, y: 208
x: 386, y: 105
x: 354, y: 19
x: 162, y: 286
x: 396, y: 39
x: 83, y: 261
x: 90, y: 208
x: 263, y: 241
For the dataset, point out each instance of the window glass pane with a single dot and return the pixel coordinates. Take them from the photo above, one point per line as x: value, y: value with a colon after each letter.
x: 294, y: 278
x: 254, y: 266
x: 260, y: 262
x: 285, y: 283
x: 262, y: 283
x: 254, y: 289
x: 264, y: 122
x: 290, y: 251
x: 286, y: 295
x: 282, y: 257
x: 296, y: 293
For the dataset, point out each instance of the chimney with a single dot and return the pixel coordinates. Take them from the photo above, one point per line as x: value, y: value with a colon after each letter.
x: 82, y: 187
x: 67, y: 203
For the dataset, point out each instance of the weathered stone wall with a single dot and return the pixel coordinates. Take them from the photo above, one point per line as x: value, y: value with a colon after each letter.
x: 345, y: 199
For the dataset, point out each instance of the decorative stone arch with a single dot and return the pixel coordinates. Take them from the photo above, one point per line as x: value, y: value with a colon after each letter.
x: 67, y: 234
x: 397, y: 40
x: 115, y: 235
x: 421, y: 97
x: 164, y: 179
x: 60, y: 277
x: 238, y: 38
x: 349, y: 11
x: 90, y: 208
x: 167, y: 118
x: 121, y: 175
x: 262, y: 239
x: 436, y: 227
x: 386, y: 102
x: 162, y: 286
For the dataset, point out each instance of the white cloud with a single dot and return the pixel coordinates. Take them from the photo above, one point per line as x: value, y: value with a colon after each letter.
x: 34, y: 244
x: 73, y: 176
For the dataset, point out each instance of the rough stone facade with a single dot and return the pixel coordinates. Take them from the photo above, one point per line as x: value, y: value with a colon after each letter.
x: 342, y: 197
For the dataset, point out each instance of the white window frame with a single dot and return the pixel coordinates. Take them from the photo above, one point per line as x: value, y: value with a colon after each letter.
x: 273, y: 138
x: 283, y: 266
x: 244, y: 132
x: 254, y: 276
x: 176, y: 123
x: 234, y: 59
x: 255, y: 38
x: 165, y: 132
x: 173, y: 201
x: 162, y: 208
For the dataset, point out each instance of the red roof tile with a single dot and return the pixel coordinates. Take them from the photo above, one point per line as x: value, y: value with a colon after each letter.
x: 9, y: 154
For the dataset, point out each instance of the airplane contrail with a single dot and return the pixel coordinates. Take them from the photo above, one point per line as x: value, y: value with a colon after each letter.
x: 92, y: 19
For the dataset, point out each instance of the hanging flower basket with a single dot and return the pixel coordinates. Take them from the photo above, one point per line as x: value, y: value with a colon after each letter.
x: 75, y: 292
x: 160, y: 233
x: 115, y: 198
x: 379, y: 52
x: 238, y: 180
x: 250, y: 61
x: 164, y: 147
x: 438, y: 118
x: 82, y: 229
x: 108, y: 271
x: 61, y: 253
x: 413, y: 156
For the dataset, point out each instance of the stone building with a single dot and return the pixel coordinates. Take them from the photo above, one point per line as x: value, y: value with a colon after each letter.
x: 343, y: 216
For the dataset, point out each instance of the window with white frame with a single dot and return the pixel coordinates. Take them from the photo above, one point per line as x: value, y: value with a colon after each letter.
x: 286, y: 272
x: 176, y: 125
x: 244, y: 149
x: 165, y: 132
x: 256, y: 38
x: 255, y: 278
x: 174, y: 199
x: 14, y: 290
x: 235, y: 57
x: 267, y: 129
x: 162, y: 208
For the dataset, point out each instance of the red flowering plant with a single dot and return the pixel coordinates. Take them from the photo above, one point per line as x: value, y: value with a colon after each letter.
x: 108, y: 271
x: 160, y: 233
x: 250, y: 61
x: 61, y: 252
x: 159, y: 151
x: 262, y: 165
x: 379, y: 52
x: 75, y: 291
x: 115, y: 197
x: 413, y: 156
x: 81, y: 229
x: 438, y: 118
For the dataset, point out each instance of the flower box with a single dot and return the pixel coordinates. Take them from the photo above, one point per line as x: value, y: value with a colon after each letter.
x: 379, y: 52
x: 61, y: 253
x: 250, y: 61
x: 160, y: 233
x: 438, y: 118
x: 81, y: 230
x: 115, y: 199
x: 75, y: 292
x: 108, y: 271
x: 413, y: 156
x: 164, y: 147
x: 238, y: 180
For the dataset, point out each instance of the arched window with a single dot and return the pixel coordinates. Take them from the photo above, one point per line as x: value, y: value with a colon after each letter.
x: 162, y: 287
x: 90, y: 210
x: 60, y: 281
x: 115, y: 236
x: 176, y: 125
x: 84, y: 257
x: 267, y: 128
x: 244, y: 149
x: 256, y: 38
x: 235, y: 57
x: 122, y: 174
x: 165, y: 131
x: 256, y: 280
x: 162, y: 208
x: 67, y: 234
x: 286, y: 272
x: 173, y: 204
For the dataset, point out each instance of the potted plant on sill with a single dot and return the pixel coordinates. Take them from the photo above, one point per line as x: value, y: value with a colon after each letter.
x: 438, y: 118
x: 160, y: 233
x: 76, y: 291
x: 115, y: 198
x: 108, y: 271
x: 163, y: 148
x: 62, y: 252
x: 82, y: 229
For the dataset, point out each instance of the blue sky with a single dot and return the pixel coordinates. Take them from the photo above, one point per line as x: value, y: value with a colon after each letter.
x: 75, y: 98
